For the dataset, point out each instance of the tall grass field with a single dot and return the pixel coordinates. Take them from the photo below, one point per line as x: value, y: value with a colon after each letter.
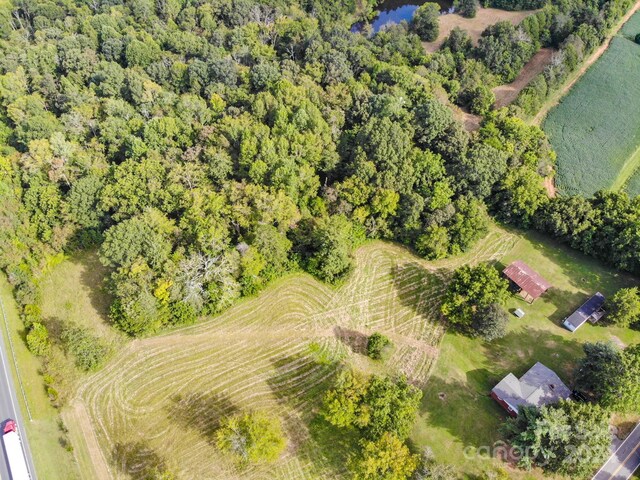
x: 595, y: 130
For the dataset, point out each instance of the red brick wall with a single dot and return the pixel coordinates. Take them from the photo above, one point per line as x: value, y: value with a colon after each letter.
x: 504, y: 404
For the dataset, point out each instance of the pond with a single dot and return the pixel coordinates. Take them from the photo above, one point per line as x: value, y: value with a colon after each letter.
x: 395, y: 11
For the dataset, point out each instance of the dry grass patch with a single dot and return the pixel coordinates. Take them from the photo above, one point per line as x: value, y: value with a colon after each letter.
x: 474, y: 26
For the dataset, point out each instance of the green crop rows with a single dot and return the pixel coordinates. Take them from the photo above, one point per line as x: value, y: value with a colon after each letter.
x: 595, y: 130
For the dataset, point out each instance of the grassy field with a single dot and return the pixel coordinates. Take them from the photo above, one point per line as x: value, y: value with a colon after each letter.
x: 467, y: 369
x: 596, y: 126
x: 51, y: 459
x: 158, y: 401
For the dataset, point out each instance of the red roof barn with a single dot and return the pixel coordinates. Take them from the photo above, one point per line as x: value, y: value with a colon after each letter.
x: 529, y: 283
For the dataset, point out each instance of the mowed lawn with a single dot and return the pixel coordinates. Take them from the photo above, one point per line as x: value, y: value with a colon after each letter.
x: 459, y: 416
x: 158, y: 400
x: 595, y: 130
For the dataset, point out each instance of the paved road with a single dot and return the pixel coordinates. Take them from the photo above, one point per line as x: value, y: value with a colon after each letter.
x: 624, y: 461
x: 9, y: 406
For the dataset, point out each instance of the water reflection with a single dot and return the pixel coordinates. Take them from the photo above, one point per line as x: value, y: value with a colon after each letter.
x: 395, y: 11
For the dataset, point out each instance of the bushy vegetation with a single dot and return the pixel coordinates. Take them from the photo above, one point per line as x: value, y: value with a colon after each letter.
x: 251, y: 438
x: 595, y: 128
x: 383, y: 411
x: 604, y: 226
x: 623, y: 308
x: 473, y: 301
x: 610, y: 376
x: 425, y: 21
x: 466, y: 8
x: 377, y: 344
x: 373, y: 405
x: 570, y: 438
x: 386, y: 458
x: 88, y: 350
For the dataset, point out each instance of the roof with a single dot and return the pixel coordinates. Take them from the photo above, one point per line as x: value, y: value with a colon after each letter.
x: 539, y: 386
x: 526, y: 278
x: 519, y: 313
x: 588, y: 308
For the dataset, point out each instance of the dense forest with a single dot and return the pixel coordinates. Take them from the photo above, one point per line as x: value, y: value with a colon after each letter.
x: 206, y: 147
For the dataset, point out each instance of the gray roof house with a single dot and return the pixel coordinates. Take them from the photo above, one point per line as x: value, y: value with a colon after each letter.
x: 539, y: 386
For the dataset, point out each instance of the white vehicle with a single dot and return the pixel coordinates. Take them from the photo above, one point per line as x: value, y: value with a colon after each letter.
x: 15, y: 454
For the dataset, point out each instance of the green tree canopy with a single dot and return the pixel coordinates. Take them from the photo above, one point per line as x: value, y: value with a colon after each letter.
x: 611, y: 375
x: 251, y: 437
x: 384, y: 459
x: 470, y: 290
x: 570, y: 438
x: 623, y: 308
x: 425, y: 21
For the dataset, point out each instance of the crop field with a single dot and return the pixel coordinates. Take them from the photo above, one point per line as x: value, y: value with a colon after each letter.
x: 595, y: 129
x: 160, y: 399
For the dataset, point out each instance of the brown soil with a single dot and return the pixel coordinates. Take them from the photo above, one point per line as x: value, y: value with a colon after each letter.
x: 550, y: 186
x: 474, y: 26
x: 537, y: 120
x: 505, y: 94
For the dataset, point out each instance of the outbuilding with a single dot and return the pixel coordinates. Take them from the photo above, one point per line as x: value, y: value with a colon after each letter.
x: 592, y: 310
x: 527, y: 282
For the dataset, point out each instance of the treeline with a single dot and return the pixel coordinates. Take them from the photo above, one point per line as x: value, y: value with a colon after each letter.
x: 574, y: 28
x: 587, y: 30
x: 209, y: 148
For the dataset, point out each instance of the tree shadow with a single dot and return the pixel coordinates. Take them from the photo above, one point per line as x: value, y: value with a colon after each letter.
x: 300, y: 380
x: 414, y: 283
x: 565, y: 303
x: 356, y: 341
x: 464, y: 409
x: 202, y: 411
x: 55, y: 327
x: 138, y: 460
x: 93, y: 276
x: 520, y: 350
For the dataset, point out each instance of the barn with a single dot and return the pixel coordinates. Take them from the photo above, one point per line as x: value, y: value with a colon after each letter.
x: 539, y: 386
x: 527, y: 282
x: 591, y: 310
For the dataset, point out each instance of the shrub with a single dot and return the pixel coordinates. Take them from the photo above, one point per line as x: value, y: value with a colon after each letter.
x: 376, y: 345
x: 637, y: 39
x: 251, y: 437
x: 89, y: 351
x: 38, y: 339
x: 467, y: 8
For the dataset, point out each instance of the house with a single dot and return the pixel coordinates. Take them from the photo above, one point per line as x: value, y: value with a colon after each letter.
x: 539, y: 386
x: 590, y: 310
x: 528, y: 283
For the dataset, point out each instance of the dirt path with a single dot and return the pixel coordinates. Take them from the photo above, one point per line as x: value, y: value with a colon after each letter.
x: 83, y: 423
x: 557, y: 96
x: 550, y: 186
x: 505, y: 94
x: 627, y: 171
